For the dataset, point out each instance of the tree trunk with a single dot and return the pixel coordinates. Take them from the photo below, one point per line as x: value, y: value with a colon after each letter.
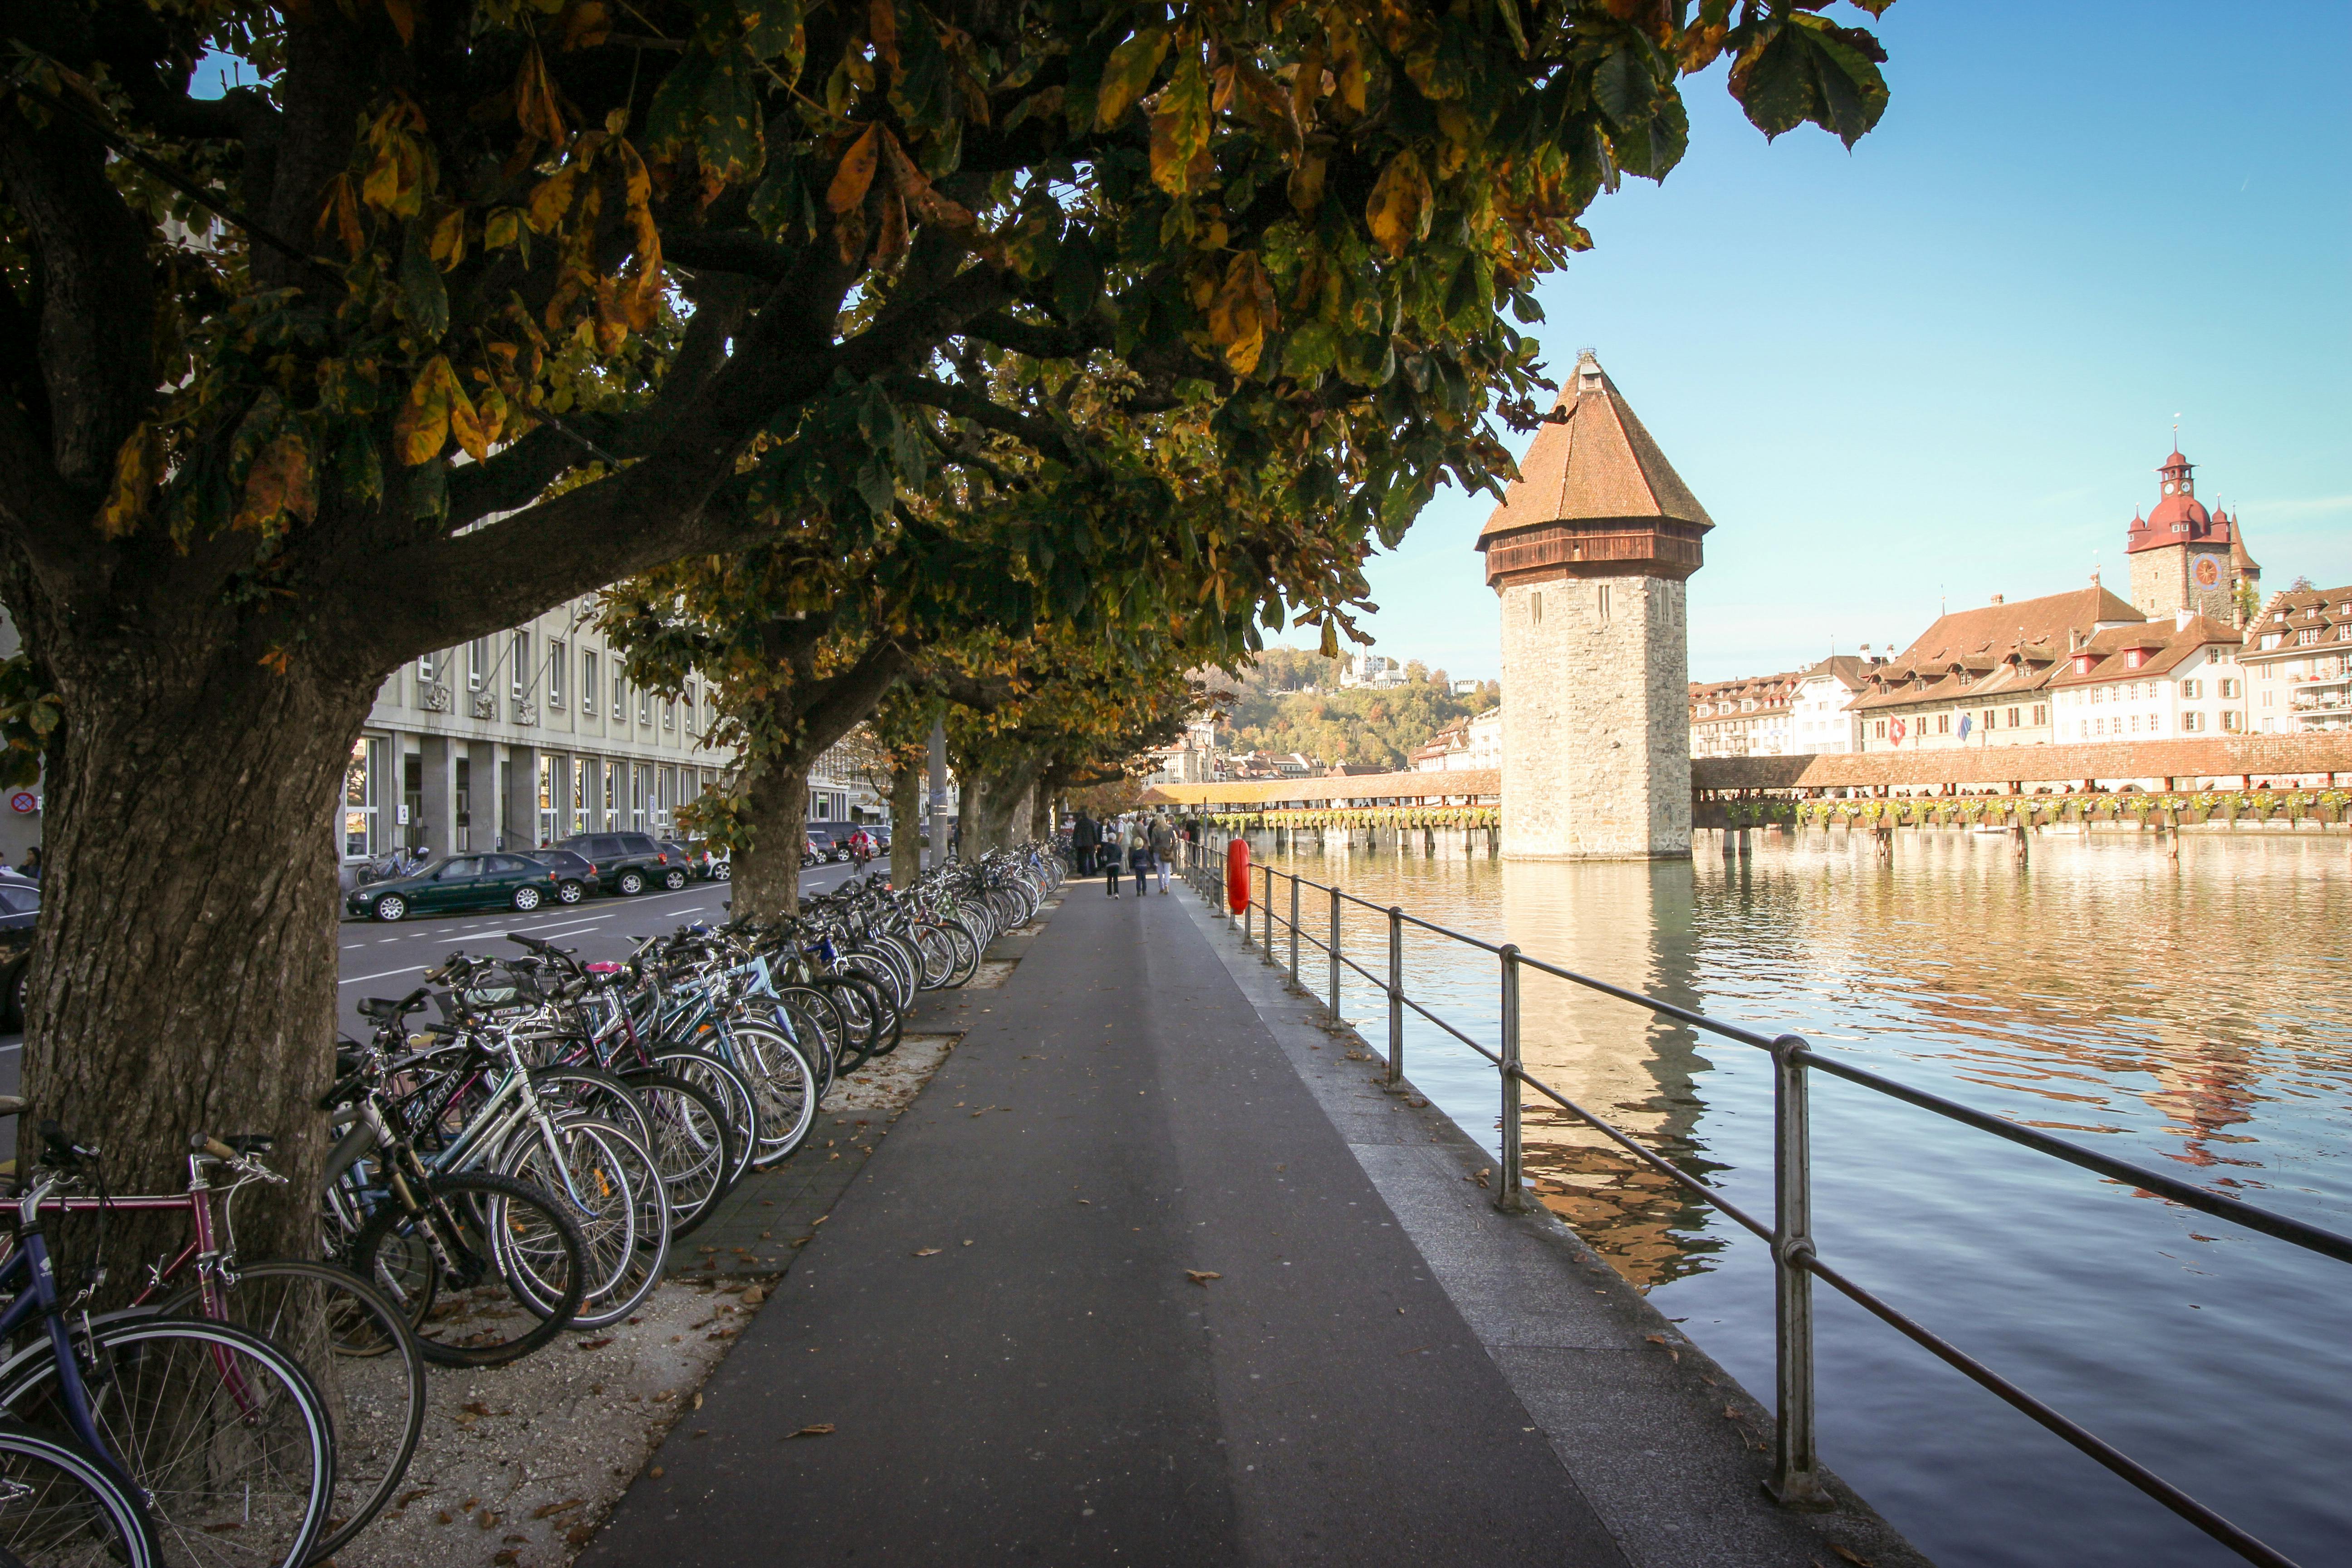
x: 906, y: 814
x: 996, y: 810
x: 183, y: 976
x: 768, y: 874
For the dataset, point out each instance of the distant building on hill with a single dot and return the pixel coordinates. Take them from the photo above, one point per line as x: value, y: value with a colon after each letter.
x: 1364, y: 667
x: 1476, y: 742
x: 1821, y: 721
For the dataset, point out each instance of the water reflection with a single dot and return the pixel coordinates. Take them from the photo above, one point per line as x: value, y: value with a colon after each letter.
x: 1629, y: 922
x: 2190, y: 1014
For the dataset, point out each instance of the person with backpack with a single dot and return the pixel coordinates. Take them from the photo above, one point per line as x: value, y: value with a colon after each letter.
x: 1086, y: 837
x: 1163, y: 840
x: 1135, y: 848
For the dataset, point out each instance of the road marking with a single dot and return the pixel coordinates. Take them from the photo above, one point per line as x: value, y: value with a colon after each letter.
x: 348, y: 945
x: 381, y: 940
x: 412, y: 969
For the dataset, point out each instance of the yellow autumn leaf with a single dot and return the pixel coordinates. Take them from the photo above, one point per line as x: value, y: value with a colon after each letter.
x: 1399, y: 209
x: 502, y: 229
x: 855, y: 176
x: 1241, y: 312
x: 552, y: 199
x: 279, y: 484
x: 404, y: 19
x: 536, y: 110
x: 137, y: 468
x: 1307, y: 184
x: 340, y: 206
x: 395, y: 182
x: 465, y: 422
x: 420, y: 427
x: 448, y: 242
x: 1180, y: 131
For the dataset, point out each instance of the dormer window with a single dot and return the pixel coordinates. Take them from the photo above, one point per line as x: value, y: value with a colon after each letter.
x: 2135, y: 658
x: 2082, y: 664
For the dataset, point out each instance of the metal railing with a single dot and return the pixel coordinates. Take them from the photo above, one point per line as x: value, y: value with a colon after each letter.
x: 1795, y: 1480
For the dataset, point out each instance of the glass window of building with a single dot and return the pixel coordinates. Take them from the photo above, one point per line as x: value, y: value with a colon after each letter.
x: 547, y: 786
x: 359, y: 799
x: 524, y: 676
x: 620, y: 693
x: 669, y: 713
x: 425, y: 667
x: 644, y: 706
x: 461, y: 818
x: 477, y: 663
x: 580, y: 794
x: 588, y: 682
x: 558, y: 661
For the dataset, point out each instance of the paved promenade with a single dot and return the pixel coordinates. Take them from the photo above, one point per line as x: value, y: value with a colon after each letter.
x: 1149, y: 1274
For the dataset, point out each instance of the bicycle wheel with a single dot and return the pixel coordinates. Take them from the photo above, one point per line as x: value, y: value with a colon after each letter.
x: 615, y: 1191
x: 223, y: 1430
x: 692, y: 1145
x: 592, y: 1092
x: 356, y: 1344
x: 787, y: 1085
x: 937, y: 955
x: 60, y: 1507
x: 727, y: 1084
x: 449, y: 1267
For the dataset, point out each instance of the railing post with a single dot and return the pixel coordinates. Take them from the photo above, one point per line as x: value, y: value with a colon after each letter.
x: 1396, y: 995
x: 1796, y: 1480
x: 1335, y: 956
x: 1294, y: 928
x: 1269, y: 914
x: 1248, y: 909
x: 1511, y: 1196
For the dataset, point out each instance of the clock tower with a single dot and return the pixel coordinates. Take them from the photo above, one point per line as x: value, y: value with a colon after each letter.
x: 2182, y: 556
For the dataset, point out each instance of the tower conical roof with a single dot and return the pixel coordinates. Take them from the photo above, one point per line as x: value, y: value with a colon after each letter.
x: 1594, y: 463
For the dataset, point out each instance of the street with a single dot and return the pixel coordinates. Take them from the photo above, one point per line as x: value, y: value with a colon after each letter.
x: 390, y: 960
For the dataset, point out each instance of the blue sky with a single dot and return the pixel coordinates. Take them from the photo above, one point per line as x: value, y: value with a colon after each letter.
x: 1947, y: 364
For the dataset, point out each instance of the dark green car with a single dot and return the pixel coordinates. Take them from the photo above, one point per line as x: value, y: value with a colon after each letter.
x: 460, y: 882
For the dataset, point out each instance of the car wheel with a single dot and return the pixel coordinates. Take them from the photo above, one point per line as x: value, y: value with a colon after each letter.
x: 392, y: 906
x: 632, y: 883
x: 569, y: 892
x: 722, y: 872
x: 526, y: 898
x: 674, y: 879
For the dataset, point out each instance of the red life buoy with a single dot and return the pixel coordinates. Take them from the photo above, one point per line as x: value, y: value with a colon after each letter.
x: 1237, y: 873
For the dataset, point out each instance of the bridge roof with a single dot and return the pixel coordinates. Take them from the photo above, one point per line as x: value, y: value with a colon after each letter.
x: 1427, y: 785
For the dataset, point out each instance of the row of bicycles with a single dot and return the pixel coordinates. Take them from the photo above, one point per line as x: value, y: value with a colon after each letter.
x: 516, y: 1147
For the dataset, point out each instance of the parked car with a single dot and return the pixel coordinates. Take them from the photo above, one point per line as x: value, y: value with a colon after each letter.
x: 628, y: 863
x: 575, y: 875
x: 460, y: 882
x: 830, y: 839
x: 710, y: 865
x: 20, y: 911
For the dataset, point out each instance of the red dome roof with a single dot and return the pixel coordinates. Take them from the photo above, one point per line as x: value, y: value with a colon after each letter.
x: 2174, y: 461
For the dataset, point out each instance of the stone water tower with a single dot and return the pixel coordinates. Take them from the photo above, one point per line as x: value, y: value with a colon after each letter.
x: 1589, y: 551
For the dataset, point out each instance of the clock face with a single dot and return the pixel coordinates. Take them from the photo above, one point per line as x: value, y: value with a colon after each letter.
x: 2208, y: 572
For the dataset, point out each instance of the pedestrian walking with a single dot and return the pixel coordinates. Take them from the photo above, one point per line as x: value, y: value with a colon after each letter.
x: 1086, y: 837
x: 1163, y: 847
x: 1137, y: 846
x: 1112, y: 852
x: 32, y: 866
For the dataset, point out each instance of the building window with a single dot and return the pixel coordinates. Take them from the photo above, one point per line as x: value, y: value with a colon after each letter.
x: 1879, y: 733
x: 2192, y: 689
x: 2231, y: 721
x: 2040, y: 714
x: 1943, y: 723
x: 2307, y: 636
x: 2267, y: 695
x: 359, y: 799
x: 2191, y: 722
x: 1535, y: 608
x: 558, y: 659
x: 620, y: 694
x: 425, y: 667
x: 669, y: 713
x: 611, y: 797
x: 461, y: 819
x: 525, y: 677
x: 2229, y: 688
x: 477, y: 663
x: 1600, y: 600
x: 547, y: 800
x: 2012, y: 718
x: 579, y: 795
x: 644, y: 706
x: 587, y: 683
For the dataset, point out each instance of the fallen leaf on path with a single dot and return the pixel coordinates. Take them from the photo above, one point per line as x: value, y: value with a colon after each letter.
x: 1850, y: 1554
x: 925, y: 1251
x: 475, y: 1408
x: 697, y: 1402
x: 594, y: 1345
x: 814, y: 1429
x: 549, y: 1509
x: 1201, y: 1276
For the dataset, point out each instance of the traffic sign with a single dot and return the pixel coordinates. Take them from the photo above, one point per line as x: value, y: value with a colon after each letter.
x: 24, y: 803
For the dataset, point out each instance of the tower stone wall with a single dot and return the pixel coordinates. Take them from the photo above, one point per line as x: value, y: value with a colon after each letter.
x: 1589, y: 553
x: 1596, y: 720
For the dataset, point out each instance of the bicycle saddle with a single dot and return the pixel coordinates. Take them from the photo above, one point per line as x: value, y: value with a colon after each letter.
x: 606, y: 968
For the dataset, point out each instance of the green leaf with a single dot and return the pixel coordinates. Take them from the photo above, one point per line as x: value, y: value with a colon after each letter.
x: 428, y: 488
x: 773, y: 27
x: 423, y: 300
x: 1313, y: 351
x: 1127, y: 73
x: 1622, y: 87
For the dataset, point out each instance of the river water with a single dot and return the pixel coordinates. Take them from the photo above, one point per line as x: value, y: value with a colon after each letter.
x: 2190, y: 1014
